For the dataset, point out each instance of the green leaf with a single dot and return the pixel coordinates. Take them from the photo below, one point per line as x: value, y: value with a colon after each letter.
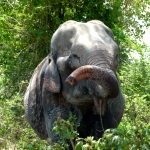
x: 79, y: 145
x: 86, y: 147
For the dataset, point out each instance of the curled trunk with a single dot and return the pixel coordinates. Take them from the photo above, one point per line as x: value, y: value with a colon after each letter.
x: 104, y: 77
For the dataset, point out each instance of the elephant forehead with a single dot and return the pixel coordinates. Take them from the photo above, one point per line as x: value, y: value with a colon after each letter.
x: 63, y: 38
x: 76, y: 36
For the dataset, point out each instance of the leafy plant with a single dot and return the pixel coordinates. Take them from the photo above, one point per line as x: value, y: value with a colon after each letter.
x: 26, y: 30
x: 67, y: 130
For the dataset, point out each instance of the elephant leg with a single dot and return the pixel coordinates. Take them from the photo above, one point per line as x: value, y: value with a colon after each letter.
x: 95, y: 125
x: 51, y: 116
x: 49, y: 120
x: 55, y: 106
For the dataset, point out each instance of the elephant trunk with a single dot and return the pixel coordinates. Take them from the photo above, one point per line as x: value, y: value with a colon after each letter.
x: 104, y: 77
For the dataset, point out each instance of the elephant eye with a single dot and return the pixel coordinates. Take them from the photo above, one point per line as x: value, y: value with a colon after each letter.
x: 49, y: 60
x: 75, y: 56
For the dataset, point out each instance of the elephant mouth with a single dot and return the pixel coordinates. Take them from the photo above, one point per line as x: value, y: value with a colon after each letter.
x: 106, y: 78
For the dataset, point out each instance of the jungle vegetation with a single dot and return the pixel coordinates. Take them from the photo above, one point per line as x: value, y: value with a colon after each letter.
x: 26, y: 27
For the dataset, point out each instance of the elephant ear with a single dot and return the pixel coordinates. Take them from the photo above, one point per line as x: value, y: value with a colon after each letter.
x: 33, y: 101
x: 52, y: 78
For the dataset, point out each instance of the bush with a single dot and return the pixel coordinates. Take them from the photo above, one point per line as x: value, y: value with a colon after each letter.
x: 27, y: 27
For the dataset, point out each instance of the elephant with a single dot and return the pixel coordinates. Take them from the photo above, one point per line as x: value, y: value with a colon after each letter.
x: 78, y: 76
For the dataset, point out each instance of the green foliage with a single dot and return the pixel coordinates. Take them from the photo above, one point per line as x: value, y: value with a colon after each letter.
x: 67, y: 130
x: 26, y: 30
x: 15, y: 131
x: 134, y: 73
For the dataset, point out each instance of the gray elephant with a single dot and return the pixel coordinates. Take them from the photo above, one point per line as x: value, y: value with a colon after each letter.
x: 77, y: 76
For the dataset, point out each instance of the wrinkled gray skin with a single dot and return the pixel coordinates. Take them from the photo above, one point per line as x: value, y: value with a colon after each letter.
x: 48, y: 96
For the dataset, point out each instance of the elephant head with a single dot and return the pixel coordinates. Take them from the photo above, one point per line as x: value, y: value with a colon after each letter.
x: 78, y: 76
